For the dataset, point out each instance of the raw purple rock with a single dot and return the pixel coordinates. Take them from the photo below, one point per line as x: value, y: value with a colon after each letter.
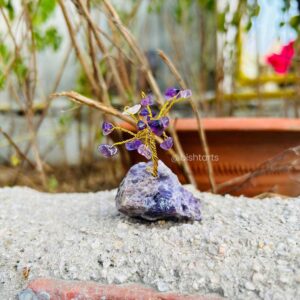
x: 152, y: 198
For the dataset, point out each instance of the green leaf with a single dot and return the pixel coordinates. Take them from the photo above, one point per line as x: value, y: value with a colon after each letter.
x: 49, y: 38
x: 15, y: 160
x: 4, y: 52
x: 295, y: 22
x: 9, y: 7
x: 43, y: 11
x: 236, y: 19
x: 155, y: 6
x: 248, y: 26
x: 255, y: 11
x: 178, y: 12
x: 20, y: 69
x: 52, y: 38
x: 52, y: 184
x: 2, y: 80
x: 208, y: 5
x: 221, y: 22
x: 65, y: 120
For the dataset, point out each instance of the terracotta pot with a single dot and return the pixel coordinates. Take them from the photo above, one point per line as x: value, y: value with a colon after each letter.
x: 237, y: 146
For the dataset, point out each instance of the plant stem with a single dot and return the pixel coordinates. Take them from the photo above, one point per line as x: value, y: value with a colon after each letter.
x: 201, y: 131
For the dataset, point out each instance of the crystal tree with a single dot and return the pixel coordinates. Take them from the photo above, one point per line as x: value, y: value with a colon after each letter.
x: 149, y: 124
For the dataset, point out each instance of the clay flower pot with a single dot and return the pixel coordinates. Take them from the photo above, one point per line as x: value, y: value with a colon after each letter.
x: 237, y: 146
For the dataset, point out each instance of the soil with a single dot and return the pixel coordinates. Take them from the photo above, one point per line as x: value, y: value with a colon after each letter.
x: 92, y: 177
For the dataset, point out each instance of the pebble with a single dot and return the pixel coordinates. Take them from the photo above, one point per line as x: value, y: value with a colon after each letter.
x: 222, y: 249
x: 258, y: 277
x: 195, y: 285
x: 249, y: 286
x: 162, y: 286
x: 256, y: 267
x: 27, y: 294
x: 43, y: 296
x: 120, y: 278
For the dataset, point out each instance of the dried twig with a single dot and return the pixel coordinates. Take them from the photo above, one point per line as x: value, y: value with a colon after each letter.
x: 279, y: 163
x: 79, y: 54
x: 103, y: 48
x: 201, y: 131
x: 113, y: 15
x: 82, y: 100
x: 18, y: 150
x: 135, y: 48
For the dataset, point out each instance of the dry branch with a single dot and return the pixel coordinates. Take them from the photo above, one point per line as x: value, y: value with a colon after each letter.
x: 201, y: 131
x: 18, y: 150
x: 103, y: 48
x: 79, y: 54
x: 114, y: 17
x: 82, y: 100
x: 279, y: 163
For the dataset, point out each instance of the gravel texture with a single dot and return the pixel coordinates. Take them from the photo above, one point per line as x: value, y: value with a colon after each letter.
x: 243, y: 248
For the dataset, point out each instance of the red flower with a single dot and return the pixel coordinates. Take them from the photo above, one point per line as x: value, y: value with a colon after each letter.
x: 282, y: 61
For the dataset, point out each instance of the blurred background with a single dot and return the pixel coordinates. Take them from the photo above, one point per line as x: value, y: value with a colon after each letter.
x: 239, y: 58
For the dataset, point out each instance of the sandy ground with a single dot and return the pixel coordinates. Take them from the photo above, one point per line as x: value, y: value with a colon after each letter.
x: 243, y: 248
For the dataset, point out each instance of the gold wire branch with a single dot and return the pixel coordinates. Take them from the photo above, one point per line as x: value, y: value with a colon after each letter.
x: 154, y: 157
x: 146, y: 136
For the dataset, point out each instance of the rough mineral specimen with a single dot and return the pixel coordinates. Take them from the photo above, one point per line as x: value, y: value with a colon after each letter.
x: 153, y: 198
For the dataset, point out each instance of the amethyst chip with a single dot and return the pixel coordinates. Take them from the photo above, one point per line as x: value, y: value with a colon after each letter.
x: 156, y: 126
x: 133, y: 145
x: 171, y: 93
x: 108, y: 150
x: 167, y: 144
x: 185, y: 94
x: 165, y: 121
x: 141, y: 125
x: 145, y: 151
x: 148, y: 100
x: 144, y: 112
x: 107, y: 128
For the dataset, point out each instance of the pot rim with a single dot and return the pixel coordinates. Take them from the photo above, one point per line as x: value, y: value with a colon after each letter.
x: 234, y: 124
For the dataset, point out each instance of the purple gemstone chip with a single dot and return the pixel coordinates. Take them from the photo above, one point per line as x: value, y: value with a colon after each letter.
x: 156, y: 126
x: 167, y: 144
x: 141, y: 125
x: 185, y: 94
x: 144, y: 112
x: 165, y: 121
x: 108, y: 150
x: 171, y: 93
x: 145, y: 151
x: 133, y: 145
x: 148, y: 100
x: 107, y: 128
